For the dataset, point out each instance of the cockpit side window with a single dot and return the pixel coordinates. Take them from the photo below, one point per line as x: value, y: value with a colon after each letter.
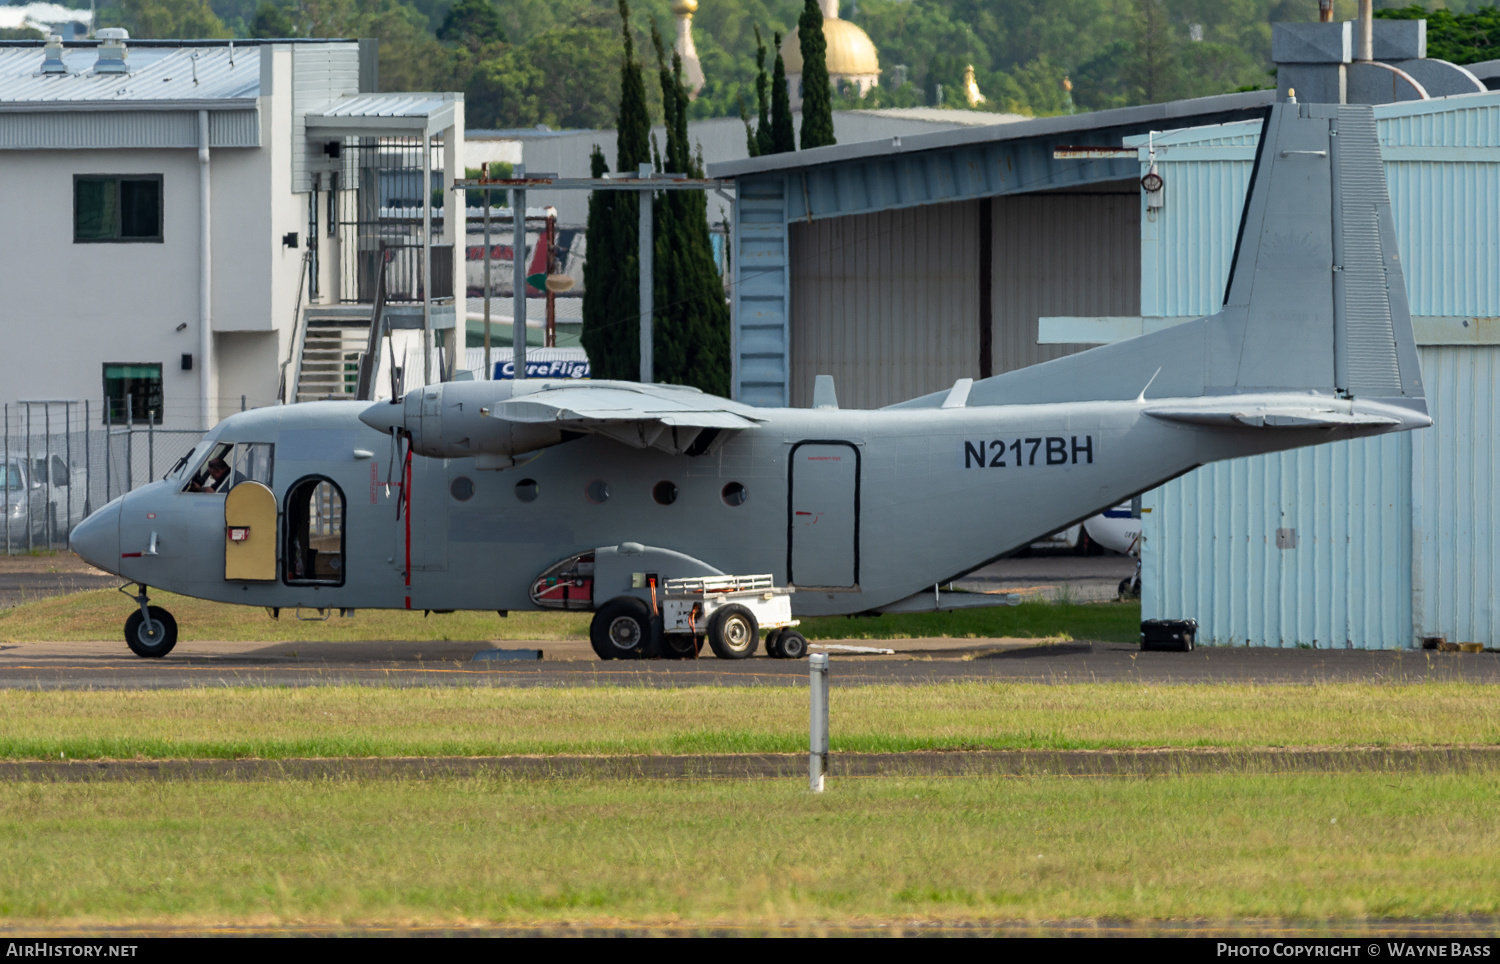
x: 230, y: 463
x: 252, y: 461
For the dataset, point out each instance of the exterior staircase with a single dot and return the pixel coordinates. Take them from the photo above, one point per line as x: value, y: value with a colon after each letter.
x: 335, y: 338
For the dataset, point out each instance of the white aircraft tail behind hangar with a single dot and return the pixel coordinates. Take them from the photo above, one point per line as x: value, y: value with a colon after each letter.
x: 593, y: 496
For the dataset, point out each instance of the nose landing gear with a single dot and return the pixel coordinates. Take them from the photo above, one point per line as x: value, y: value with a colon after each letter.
x: 150, y: 631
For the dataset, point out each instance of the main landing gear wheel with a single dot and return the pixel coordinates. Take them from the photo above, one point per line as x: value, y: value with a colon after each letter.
x: 154, y: 638
x: 773, y: 644
x: 622, y: 629
x: 791, y: 644
x: 733, y: 633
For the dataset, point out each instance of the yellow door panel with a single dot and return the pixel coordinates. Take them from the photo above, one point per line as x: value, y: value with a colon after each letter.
x: 250, y: 533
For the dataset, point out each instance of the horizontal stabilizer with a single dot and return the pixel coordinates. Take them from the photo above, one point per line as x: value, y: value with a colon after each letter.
x: 1230, y: 413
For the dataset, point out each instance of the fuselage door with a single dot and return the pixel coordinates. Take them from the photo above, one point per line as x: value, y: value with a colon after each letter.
x: 823, y: 515
x: 250, y: 533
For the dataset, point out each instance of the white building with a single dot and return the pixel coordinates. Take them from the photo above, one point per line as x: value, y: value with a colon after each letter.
x: 182, y: 219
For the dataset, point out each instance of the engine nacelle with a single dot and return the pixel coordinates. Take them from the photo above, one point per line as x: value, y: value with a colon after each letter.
x: 452, y: 421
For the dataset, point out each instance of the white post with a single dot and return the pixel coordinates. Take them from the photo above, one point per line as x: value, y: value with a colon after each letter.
x: 518, y: 276
x: 489, y: 370
x: 207, y: 410
x: 426, y: 184
x: 817, y: 760
x: 645, y: 259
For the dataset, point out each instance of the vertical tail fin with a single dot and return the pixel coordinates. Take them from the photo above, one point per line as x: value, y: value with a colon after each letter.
x: 1316, y: 300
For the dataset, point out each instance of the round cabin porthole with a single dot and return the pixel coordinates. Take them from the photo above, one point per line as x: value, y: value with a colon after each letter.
x: 665, y: 493
x: 527, y: 490
x: 734, y: 494
x: 597, y: 491
x: 462, y: 488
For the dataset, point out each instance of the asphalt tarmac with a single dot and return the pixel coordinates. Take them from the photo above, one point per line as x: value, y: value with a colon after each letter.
x: 109, y: 665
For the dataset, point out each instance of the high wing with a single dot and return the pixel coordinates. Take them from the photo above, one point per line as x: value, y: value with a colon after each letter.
x: 668, y: 417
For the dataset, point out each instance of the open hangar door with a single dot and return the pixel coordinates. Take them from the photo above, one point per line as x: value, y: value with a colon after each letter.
x: 890, y: 303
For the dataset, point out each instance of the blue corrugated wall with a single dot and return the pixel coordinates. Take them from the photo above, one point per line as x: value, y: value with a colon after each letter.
x: 1384, y: 540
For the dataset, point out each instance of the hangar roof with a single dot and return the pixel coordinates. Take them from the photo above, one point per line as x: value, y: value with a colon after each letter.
x: 1171, y: 115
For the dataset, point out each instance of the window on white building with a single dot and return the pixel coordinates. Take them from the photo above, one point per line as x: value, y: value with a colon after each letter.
x: 116, y: 207
x: 132, y: 392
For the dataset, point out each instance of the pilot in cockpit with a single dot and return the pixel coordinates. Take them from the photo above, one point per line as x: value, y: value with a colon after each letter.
x: 217, y: 478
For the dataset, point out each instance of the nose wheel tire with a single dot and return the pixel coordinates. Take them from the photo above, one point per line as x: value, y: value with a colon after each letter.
x: 733, y: 633
x: 151, y: 639
x: 622, y: 629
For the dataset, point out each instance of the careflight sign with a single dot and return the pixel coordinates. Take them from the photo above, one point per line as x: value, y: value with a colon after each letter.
x: 559, y: 368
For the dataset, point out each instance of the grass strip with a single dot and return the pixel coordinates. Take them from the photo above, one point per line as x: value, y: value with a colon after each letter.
x: 275, y: 723
x: 100, y: 614
x: 745, y: 852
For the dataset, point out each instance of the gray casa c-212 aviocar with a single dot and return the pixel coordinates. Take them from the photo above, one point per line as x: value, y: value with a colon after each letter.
x: 531, y: 494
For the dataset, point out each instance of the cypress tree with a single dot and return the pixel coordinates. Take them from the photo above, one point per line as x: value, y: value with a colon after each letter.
x: 752, y: 146
x: 817, y: 93
x: 782, y: 138
x: 763, y: 142
x: 607, y: 333
x: 611, y: 328
x: 691, y: 344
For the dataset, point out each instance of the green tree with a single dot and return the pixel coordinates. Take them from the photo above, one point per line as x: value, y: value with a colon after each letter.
x: 272, y: 21
x: 170, y: 19
x: 1154, y: 71
x: 411, y: 58
x: 691, y: 328
x: 1463, y: 38
x: 611, y: 326
x: 473, y: 23
x: 564, y: 77
x: 817, y: 94
x: 782, y: 137
x: 764, y: 143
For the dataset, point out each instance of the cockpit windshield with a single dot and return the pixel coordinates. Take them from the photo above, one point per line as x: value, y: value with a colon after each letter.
x: 187, y: 460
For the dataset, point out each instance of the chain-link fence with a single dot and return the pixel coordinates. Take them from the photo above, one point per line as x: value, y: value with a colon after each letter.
x: 60, y: 463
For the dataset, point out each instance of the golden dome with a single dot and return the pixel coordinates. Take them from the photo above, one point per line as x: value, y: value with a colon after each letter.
x: 850, y: 52
x: 685, y: 7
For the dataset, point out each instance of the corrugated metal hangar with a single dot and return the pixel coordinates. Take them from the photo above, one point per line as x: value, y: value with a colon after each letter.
x: 1377, y: 543
x: 901, y: 267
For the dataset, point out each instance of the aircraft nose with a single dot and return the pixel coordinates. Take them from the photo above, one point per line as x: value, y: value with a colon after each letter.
x: 384, y: 416
x: 96, y: 539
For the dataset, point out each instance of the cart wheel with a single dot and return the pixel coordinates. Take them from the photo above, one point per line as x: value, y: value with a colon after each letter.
x: 621, y: 629
x: 680, y: 646
x: 733, y: 633
x: 773, y: 644
x: 793, y: 645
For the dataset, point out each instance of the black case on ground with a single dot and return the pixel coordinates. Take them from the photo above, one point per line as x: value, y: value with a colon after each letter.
x: 1177, y: 634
